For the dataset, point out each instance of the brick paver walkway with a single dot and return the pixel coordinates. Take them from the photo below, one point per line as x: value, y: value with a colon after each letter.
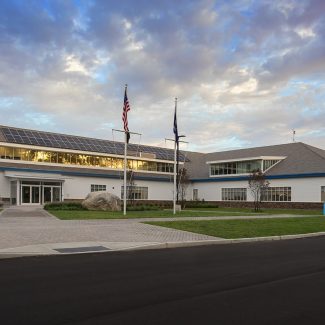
x: 32, y: 226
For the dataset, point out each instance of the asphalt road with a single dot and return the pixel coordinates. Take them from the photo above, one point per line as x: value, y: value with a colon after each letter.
x: 279, y: 282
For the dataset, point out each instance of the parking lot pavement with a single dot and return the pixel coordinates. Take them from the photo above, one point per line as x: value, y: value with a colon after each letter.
x: 23, y: 229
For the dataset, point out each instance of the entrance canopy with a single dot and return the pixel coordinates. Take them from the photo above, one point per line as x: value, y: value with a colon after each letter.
x: 35, y: 188
x: 34, y: 176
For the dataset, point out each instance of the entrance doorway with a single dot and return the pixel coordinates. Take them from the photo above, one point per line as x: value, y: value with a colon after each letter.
x: 51, y: 194
x: 38, y: 192
x: 30, y: 194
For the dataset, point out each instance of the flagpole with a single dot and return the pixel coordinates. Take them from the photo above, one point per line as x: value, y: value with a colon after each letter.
x: 174, y: 192
x: 125, y: 153
x: 175, y: 166
x: 125, y: 189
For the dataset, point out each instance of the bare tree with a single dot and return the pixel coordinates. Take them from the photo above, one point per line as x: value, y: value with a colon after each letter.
x: 257, y: 184
x: 184, y: 182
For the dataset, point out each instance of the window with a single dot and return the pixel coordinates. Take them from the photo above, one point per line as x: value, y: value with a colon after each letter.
x: 269, y: 163
x: 234, y: 194
x: 277, y: 194
x: 195, y: 194
x: 97, y: 187
x: 233, y: 168
x: 82, y: 160
x: 135, y: 192
x: 323, y: 193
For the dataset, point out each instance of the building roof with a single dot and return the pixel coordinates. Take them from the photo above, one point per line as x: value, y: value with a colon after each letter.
x: 300, y: 159
x: 72, y: 142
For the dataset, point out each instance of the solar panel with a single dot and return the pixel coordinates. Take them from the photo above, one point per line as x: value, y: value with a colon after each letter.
x: 63, y: 141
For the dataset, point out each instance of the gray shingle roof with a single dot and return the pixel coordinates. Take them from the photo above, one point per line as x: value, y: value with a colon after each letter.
x: 300, y: 159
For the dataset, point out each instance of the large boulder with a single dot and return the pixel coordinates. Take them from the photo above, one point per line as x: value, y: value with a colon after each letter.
x: 102, y: 201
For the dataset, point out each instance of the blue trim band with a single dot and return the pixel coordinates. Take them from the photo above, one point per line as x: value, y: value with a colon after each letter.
x: 245, y: 178
x: 67, y: 173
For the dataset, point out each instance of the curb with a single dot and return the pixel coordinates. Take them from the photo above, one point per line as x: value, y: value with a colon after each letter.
x: 7, y: 255
x: 225, y: 241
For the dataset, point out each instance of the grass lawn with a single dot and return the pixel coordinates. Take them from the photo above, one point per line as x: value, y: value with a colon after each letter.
x: 200, y: 212
x: 263, y: 211
x: 248, y: 228
x: 82, y: 214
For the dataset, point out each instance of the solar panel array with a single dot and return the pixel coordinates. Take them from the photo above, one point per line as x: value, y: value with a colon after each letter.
x: 63, y: 141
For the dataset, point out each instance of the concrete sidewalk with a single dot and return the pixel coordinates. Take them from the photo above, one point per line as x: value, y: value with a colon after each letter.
x: 33, y: 231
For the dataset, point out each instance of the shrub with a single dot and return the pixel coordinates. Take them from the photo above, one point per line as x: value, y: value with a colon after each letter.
x: 198, y: 204
x: 64, y: 206
x: 142, y: 207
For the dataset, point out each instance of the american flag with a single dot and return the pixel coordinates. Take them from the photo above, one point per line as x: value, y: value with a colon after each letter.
x: 126, y: 108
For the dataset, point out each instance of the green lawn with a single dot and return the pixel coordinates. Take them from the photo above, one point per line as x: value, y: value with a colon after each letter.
x: 76, y: 214
x: 263, y: 211
x: 200, y: 212
x: 249, y: 227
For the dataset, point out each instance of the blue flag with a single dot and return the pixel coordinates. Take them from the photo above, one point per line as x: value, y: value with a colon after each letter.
x: 175, y: 126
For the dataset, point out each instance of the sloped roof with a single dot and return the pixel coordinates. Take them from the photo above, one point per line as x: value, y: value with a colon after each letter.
x: 300, y: 159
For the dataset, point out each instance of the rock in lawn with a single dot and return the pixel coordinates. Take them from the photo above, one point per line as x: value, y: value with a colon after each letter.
x: 102, y: 201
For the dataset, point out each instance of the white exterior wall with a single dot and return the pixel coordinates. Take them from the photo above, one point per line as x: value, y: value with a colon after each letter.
x: 4, y: 186
x: 302, y: 189
x: 158, y: 190
x: 78, y: 187
x: 211, y: 191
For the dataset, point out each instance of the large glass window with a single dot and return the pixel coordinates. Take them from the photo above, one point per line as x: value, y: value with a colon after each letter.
x: 233, y: 194
x: 233, y: 168
x: 82, y: 160
x: 277, y: 194
x: 135, y: 192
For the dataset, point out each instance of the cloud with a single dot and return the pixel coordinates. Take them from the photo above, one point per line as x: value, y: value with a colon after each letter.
x: 245, y: 73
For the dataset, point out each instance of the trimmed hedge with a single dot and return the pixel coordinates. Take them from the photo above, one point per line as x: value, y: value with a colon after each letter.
x: 143, y: 207
x: 198, y: 204
x: 64, y: 206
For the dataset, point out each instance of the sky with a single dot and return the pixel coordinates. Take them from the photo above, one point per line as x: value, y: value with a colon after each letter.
x: 246, y: 73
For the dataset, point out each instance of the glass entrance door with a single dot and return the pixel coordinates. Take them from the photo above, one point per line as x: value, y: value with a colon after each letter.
x: 47, y: 194
x: 25, y: 194
x: 51, y: 194
x: 30, y: 194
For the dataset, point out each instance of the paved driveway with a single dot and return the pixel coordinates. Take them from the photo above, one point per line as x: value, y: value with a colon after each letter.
x: 24, y: 229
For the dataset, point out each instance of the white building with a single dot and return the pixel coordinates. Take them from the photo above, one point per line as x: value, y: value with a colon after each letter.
x: 38, y: 167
